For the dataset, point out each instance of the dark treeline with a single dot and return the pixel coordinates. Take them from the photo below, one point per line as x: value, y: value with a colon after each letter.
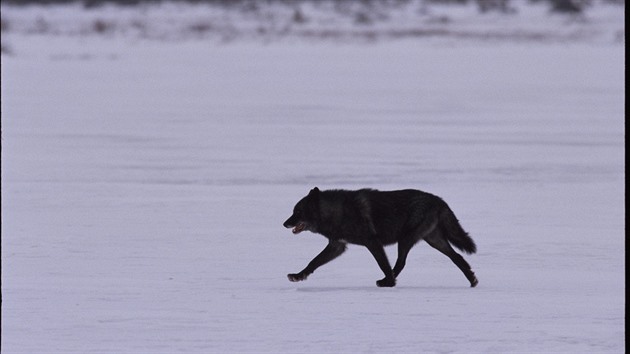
x: 568, y: 6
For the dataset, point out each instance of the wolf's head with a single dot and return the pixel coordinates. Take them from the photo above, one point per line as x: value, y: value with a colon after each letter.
x: 305, y: 213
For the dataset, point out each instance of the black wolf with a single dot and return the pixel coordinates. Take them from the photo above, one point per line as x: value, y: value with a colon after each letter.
x: 374, y: 219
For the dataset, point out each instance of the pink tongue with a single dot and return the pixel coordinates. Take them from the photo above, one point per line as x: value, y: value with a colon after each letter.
x: 298, y: 228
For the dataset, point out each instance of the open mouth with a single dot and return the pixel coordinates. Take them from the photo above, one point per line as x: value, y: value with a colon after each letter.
x: 299, y: 228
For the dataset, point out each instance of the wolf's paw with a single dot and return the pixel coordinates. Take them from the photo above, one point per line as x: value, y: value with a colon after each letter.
x: 474, y: 282
x: 297, y: 277
x: 386, y: 283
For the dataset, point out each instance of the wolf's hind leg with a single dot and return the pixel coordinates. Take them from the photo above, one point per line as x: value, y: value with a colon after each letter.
x: 333, y: 250
x: 437, y: 241
x: 406, y: 243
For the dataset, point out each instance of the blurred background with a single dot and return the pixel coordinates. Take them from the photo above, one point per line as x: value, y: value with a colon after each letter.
x: 364, y: 20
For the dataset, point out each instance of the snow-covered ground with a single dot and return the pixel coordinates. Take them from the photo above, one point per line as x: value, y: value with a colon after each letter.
x: 145, y: 182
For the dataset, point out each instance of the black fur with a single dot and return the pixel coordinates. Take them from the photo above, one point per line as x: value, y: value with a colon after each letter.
x: 375, y: 219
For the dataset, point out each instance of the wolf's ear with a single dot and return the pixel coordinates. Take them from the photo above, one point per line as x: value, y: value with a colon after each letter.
x: 314, y: 194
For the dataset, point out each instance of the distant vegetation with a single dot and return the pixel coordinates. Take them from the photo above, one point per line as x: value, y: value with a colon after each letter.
x: 564, y: 6
x: 343, y: 20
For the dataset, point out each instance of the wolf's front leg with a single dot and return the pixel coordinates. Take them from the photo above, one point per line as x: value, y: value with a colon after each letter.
x: 381, y: 258
x: 297, y: 276
x: 333, y: 250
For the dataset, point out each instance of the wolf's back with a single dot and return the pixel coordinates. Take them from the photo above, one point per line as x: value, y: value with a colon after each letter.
x: 454, y: 232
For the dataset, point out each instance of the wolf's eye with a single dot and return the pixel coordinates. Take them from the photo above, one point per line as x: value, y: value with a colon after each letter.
x: 297, y: 212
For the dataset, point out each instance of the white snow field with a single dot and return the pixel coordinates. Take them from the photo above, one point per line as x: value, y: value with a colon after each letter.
x: 145, y: 182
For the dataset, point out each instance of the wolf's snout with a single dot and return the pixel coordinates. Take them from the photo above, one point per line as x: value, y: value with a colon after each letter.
x: 299, y: 228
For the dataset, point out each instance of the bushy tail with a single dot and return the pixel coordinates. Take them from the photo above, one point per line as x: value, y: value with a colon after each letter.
x: 455, y: 233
